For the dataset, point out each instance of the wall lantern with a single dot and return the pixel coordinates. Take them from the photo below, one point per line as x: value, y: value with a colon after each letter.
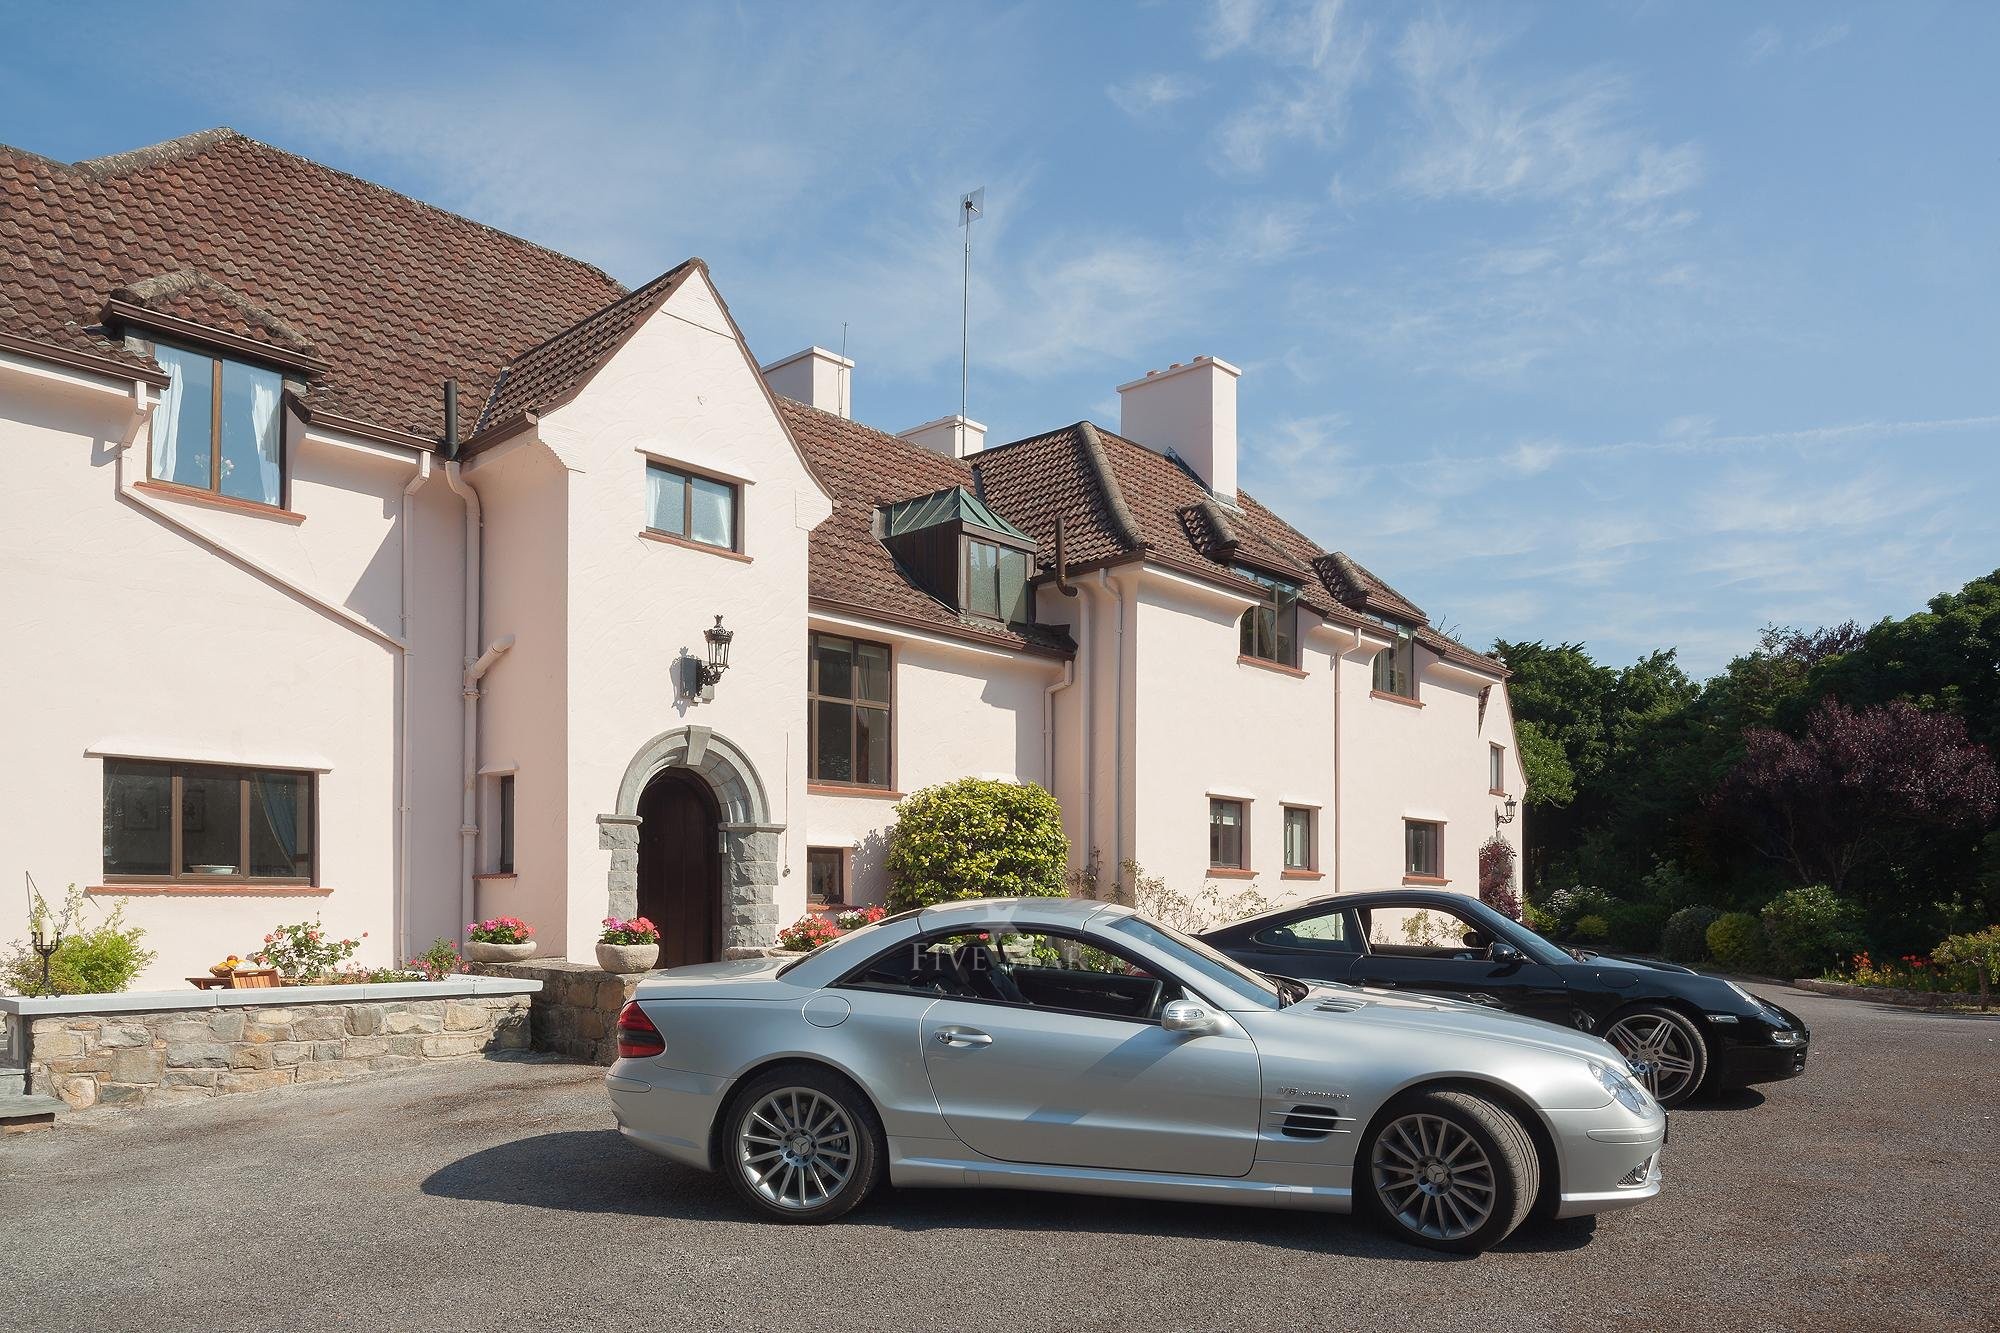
x: 1507, y: 817
x: 718, y: 653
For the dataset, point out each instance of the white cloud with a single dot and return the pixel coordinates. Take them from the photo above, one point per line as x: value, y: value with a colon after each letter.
x: 1317, y: 61
x: 1145, y: 95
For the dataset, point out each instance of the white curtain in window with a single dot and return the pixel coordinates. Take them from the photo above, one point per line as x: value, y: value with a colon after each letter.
x: 264, y: 420
x: 714, y: 512
x: 167, y: 416
x: 666, y: 494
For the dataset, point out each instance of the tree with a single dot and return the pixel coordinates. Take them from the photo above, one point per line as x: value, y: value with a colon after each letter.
x: 976, y: 838
x: 1551, y: 785
x: 1860, y: 783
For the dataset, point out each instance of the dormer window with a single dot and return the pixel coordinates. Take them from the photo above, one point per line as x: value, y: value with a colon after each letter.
x: 218, y: 426
x: 1270, y: 629
x: 1396, y: 666
x: 956, y: 549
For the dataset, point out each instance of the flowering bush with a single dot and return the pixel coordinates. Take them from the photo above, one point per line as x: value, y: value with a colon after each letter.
x: 439, y: 961
x: 1496, y: 877
x: 92, y: 960
x: 808, y: 932
x: 1912, y: 971
x: 499, y: 930
x: 375, y: 976
x: 1570, y: 905
x: 636, y: 931
x: 1809, y: 930
x: 1977, y: 952
x: 854, y: 918
x: 304, y: 952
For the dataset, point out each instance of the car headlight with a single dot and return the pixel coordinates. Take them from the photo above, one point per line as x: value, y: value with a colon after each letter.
x: 1629, y: 1094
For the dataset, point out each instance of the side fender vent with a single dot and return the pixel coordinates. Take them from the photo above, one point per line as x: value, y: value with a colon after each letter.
x: 1307, y: 1121
x: 1337, y: 1006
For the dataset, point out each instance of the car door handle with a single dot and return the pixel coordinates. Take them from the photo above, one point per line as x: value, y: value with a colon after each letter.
x: 963, y: 1037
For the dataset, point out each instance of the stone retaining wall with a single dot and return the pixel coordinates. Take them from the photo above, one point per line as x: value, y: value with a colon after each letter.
x: 575, y: 1013
x: 1914, y: 999
x: 181, y: 1055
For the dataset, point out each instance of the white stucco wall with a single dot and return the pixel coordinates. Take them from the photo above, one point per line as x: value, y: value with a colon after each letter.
x: 129, y: 636
x: 681, y: 388
x: 960, y: 711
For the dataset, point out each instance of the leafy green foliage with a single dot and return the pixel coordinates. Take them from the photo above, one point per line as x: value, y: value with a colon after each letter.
x: 976, y: 838
x: 1810, y: 930
x: 1591, y: 929
x: 1567, y: 907
x: 1551, y: 784
x: 1979, y: 950
x: 1684, y: 939
x: 93, y: 960
x: 1736, y: 941
x: 1636, y: 927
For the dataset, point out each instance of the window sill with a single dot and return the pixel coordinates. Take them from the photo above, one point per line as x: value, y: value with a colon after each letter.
x: 1425, y: 879
x: 1496, y: 791
x: 176, y: 491
x: 225, y: 889
x: 851, y: 789
x: 1395, y: 698
x: 1263, y: 664
x: 668, y: 539
x: 1231, y: 872
x: 1302, y: 874
x: 499, y: 874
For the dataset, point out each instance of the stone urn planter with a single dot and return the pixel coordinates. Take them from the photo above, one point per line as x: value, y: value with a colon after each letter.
x: 479, y: 951
x: 628, y: 957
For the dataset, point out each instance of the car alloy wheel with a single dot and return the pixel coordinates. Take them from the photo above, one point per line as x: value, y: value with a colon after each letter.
x: 797, y: 1149
x: 1665, y: 1052
x: 1434, y: 1177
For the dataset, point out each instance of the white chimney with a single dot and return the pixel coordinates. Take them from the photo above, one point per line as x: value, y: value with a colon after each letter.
x: 953, y: 436
x: 817, y: 377
x: 1190, y: 409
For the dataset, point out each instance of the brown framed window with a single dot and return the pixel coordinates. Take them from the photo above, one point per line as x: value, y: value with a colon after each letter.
x: 1228, y: 844
x: 1299, y: 853
x: 995, y: 582
x: 1396, y: 668
x: 1423, y: 849
x: 849, y: 690
x: 1269, y: 631
x: 693, y: 507
x: 1496, y: 770
x: 504, y: 861
x: 826, y: 876
x: 218, y: 426
x: 204, y: 823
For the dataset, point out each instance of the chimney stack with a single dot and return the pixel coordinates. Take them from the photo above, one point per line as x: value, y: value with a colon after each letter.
x: 1189, y: 409
x: 953, y: 436
x: 816, y: 377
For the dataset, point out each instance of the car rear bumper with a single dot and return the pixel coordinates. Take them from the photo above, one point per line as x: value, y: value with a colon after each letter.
x: 667, y: 1111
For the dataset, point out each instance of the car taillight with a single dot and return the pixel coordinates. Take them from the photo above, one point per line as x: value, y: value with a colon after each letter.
x: 636, y: 1034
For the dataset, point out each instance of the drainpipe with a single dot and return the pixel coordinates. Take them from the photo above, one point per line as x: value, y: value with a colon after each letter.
x: 405, y: 758
x: 1049, y: 694
x: 1339, y: 843
x: 1117, y: 730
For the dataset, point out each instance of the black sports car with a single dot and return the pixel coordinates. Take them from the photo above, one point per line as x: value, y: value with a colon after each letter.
x: 1681, y: 1030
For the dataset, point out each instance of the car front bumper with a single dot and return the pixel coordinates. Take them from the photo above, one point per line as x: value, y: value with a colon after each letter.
x: 1610, y: 1158
x: 1763, y: 1049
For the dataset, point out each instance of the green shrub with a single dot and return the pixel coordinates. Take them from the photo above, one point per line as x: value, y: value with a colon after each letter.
x: 1535, y: 919
x: 1670, y: 886
x: 1736, y: 941
x: 1636, y: 927
x: 1591, y: 929
x: 1980, y: 951
x: 1684, y: 939
x: 97, y: 961
x: 1569, y: 906
x: 1810, y: 930
x: 976, y: 838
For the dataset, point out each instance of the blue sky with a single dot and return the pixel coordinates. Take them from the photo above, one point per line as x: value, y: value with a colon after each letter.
x: 1640, y: 324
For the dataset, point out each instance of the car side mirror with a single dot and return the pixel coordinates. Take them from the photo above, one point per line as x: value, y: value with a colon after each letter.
x: 1502, y: 952
x: 1197, y: 1020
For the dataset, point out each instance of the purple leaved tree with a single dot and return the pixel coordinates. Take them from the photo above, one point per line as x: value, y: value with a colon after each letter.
x: 1859, y: 783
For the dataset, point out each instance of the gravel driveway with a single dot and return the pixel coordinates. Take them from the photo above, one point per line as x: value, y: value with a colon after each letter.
x: 497, y: 1195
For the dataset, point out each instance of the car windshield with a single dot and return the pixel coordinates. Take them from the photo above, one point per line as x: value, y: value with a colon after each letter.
x: 1252, y: 987
x: 1498, y: 926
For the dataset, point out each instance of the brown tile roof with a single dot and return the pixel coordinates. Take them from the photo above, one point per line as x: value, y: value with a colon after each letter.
x: 395, y: 295
x: 863, y: 469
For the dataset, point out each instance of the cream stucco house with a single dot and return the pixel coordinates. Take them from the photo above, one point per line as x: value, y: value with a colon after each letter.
x: 292, y: 630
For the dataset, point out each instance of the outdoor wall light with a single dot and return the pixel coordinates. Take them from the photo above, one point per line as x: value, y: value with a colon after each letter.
x: 718, y: 653
x: 1506, y: 816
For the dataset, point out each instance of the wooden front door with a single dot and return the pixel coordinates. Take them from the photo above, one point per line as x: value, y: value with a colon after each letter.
x: 680, y: 867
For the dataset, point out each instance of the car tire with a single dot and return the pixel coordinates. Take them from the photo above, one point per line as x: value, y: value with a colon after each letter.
x: 1662, y: 1037
x: 801, y: 1143
x: 1449, y: 1170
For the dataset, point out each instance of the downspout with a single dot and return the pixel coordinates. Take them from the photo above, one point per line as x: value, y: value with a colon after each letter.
x: 1117, y: 732
x: 1067, y: 589
x: 1339, y: 843
x: 405, y: 758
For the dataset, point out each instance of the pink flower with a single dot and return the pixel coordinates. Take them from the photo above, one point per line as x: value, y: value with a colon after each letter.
x: 269, y: 938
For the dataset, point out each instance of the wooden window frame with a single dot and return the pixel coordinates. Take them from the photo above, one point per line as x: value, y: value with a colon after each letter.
x: 813, y: 700
x: 1274, y: 607
x: 504, y: 796
x: 177, y: 772
x: 1496, y: 769
x: 843, y: 859
x: 1414, y: 695
x: 214, y: 488
x: 686, y: 537
x: 1242, y: 867
x: 1312, y: 840
x: 1436, y: 874
x: 966, y: 538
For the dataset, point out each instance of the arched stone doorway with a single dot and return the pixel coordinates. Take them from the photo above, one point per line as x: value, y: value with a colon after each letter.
x: 746, y: 881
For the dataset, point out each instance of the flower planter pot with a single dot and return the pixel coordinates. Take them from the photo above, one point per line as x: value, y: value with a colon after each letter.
x: 628, y: 957
x: 479, y: 951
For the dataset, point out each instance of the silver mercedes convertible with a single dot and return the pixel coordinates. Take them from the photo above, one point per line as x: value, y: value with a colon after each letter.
x: 1055, y: 1044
